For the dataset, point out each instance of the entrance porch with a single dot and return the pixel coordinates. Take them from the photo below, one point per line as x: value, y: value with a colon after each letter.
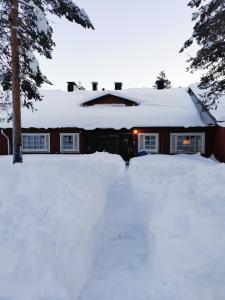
x: 113, y: 141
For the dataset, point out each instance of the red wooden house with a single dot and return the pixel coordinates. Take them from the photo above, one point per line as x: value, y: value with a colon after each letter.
x: 151, y: 121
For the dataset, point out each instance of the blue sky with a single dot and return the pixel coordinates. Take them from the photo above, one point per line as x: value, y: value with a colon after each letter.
x: 132, y: 42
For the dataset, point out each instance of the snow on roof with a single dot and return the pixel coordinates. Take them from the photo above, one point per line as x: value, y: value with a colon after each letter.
x: 157, y: 108
x: 219, y: 112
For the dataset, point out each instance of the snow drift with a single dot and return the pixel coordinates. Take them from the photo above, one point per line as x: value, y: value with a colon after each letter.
x: 184, y: 207
x: 49, y: 208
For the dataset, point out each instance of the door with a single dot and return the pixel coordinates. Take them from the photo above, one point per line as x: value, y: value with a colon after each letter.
x: 108, y: 143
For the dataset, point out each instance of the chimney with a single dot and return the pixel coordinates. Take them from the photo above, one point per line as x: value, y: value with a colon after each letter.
x: 118, y: 86
x: 94, y: 86
x: 70, y: 86
x: 160, y: 84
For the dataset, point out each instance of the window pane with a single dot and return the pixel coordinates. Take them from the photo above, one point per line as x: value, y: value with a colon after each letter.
x: 34, y: 142
x: 148, y: 143
x: 68, y: 142
x: 194, y: 144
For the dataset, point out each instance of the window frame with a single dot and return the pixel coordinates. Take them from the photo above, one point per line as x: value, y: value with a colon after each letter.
x: 47, y: 143
x: 175, y: 134
x: 156, y: 135
x: 75, y: 149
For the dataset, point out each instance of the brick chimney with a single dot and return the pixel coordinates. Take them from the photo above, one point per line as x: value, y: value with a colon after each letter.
x: 160, y: 84
x: 70, y: 86
x: 94, y: 86
x: 118, y: 86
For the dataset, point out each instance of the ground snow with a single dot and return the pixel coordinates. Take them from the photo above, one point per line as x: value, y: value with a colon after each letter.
x: 84, y: 227
x: 184, y: 210
x: 49, y: 208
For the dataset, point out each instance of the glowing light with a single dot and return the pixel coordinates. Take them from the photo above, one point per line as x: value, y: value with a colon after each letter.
x: 186, y: 141
x: 135, y: 131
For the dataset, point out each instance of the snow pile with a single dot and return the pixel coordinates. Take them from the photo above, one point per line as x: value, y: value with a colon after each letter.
x: 49, y: 208
x: 184, y: 207
x: 157, y: 108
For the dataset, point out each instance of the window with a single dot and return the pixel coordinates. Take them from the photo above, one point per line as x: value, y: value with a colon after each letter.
x: 187, y: 142
x: 36, y: 142
x: 69, y: 142
x: 148, y: 142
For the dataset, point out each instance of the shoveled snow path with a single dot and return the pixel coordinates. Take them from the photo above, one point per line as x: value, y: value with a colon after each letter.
x: 121, y: 267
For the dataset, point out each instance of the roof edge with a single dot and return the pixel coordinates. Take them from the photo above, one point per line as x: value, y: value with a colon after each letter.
x: 205, y: 115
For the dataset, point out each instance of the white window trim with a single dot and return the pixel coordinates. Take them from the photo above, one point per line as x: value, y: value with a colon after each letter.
x: 173, y: 151
x: 47, y: 140
x: 74, y: 150
x: 149, y: 134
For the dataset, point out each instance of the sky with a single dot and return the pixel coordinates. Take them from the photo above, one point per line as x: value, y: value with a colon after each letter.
x: 132, y: 42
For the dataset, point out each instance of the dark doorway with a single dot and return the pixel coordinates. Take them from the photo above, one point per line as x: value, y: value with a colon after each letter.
x: 111, y: 141
x: 108, y: 143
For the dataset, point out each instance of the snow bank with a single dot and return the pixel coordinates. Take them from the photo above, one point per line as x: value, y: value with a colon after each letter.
x: 49, y: 208
x: 184, y: 208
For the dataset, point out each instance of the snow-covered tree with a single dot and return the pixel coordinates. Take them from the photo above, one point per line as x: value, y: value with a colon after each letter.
x: 209, y: 33
x: 24, y: 31
x: 81, y: 87
x: 162, y: 82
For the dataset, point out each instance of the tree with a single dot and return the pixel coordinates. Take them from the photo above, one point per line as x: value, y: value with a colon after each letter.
x: 209, y: 33
x: 162, y: 82
x: 24, y: 31
x: 80, y: 87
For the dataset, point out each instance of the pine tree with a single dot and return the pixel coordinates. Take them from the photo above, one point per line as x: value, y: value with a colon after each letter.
x: 209, y: 33
x: 24, y: 31
x: 162, y: 81
x: 80, y: 87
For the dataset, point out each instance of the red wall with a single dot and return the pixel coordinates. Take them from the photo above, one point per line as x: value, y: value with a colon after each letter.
x: 3, y: 142
x: 54, y: 138
x: 164, y: 137
x: 215, y: 139
x: 110, y: 99
x: 219, y: 144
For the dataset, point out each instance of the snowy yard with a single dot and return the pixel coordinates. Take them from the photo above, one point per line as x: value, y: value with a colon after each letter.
x: 85, y: 227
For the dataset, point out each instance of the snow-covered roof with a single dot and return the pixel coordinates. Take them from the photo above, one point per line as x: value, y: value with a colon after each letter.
x: 157, y: 108
x: 219, y: 112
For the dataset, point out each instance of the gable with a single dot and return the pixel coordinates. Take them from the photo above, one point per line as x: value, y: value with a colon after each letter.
x: 110, y: 100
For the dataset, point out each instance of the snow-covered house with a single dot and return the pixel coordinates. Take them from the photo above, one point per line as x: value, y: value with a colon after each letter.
x: 152, y: 121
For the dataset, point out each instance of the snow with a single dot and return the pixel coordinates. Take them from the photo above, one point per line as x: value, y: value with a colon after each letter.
x: 49, y: 208
x: 121, y: 265
x: 33, y: 63
x: 172, y: 107
x: 86, y: 227
x: 183, y: 207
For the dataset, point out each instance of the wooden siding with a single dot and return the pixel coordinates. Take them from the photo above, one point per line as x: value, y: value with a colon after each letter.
x: 3, y: 142
x: 55, y: 137
x: 110, y: 99
x: 214, y: 138
x: 219, y: 144
x: 164, y: 137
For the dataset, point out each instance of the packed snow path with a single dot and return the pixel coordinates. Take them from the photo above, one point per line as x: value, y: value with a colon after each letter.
x: 119, y: 269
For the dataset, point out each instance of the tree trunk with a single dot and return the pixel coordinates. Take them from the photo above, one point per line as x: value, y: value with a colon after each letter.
x: 17, y: 153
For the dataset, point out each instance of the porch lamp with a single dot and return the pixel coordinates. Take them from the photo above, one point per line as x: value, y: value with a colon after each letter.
x: 186, y: 141
x: 135, y: 131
